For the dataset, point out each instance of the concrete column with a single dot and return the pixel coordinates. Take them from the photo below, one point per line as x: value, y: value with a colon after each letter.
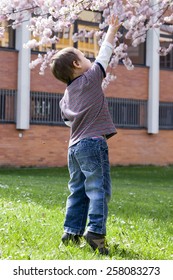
x: 23, y: 84
x: 153, y: 62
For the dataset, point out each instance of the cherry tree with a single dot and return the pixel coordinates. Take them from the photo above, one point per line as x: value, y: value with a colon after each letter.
x: 48, y: 17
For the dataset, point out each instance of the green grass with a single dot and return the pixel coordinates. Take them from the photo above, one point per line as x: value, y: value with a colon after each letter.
x: 140, y: 223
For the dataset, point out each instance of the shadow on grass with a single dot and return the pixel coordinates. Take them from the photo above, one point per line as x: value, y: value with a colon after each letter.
x: 125, y: 254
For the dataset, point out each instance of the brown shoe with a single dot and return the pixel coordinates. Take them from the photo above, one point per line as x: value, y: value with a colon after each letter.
x: 97, y: 241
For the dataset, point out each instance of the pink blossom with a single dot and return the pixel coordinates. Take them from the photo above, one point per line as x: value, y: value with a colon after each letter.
x: 47, y: 17
x: 109, y: 78
x: 164, y: 51
x: 31, y: 44
x: 128, y: 63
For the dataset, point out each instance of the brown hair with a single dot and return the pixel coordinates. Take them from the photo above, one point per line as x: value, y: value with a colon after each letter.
x: 62, y: 64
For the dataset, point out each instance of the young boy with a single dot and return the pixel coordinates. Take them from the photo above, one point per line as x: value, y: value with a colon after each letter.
x: 85, y: 110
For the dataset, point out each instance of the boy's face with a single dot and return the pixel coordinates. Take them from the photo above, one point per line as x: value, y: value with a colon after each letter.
x: 84, y: 62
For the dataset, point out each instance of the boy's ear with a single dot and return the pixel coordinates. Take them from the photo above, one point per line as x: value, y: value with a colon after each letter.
x: 76, y: 64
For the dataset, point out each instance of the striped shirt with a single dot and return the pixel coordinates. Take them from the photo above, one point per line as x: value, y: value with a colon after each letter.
x: 84, y: 104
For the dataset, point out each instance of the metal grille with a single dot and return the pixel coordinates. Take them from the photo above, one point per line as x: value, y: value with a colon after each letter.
x: 128, y: 113
x: 125, y: 112
x: 166, y: 115
x: 44, y: 108
x: 7, y: 106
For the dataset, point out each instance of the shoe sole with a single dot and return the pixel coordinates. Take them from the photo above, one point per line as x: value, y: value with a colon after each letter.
x: 96, y: 243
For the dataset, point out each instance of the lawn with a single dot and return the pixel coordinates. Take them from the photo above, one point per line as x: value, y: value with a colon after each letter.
x: 140, y: 223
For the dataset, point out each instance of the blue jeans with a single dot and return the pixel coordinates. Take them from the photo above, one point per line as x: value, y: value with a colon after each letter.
x: 89, y: 185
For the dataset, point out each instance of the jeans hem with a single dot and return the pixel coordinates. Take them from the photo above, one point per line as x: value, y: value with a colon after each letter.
x: 97, y: 231
x: 74, y: 232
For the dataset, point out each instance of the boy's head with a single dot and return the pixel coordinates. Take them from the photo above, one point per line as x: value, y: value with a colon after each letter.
x: 68, y: 64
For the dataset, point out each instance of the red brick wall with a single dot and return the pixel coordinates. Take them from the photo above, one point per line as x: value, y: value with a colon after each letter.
x: 129, y: 84
x: 166, y: 86
x: 138, y: 147
x: 47, y: 145
x: 8, y: 69
x: 38, y: 146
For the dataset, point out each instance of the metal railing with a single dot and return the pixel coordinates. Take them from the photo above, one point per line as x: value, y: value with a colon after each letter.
x: 166, y: 115
x: 128, y: 113
x: 7, y: 105
x: 125, y: 112
x: 44, y: 110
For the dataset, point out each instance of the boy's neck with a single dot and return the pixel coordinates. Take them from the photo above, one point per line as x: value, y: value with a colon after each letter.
x: 69, y: 83
x: 77, y: 73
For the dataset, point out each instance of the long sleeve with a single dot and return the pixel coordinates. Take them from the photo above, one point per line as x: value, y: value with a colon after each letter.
x: 105, y: 54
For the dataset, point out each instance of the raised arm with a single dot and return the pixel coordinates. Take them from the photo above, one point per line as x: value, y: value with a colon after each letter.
x: 112, y: 30
x: 107, y: 45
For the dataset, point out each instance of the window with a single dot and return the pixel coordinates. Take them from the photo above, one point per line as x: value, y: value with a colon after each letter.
x: 45, y: 108
x: 65, y: 38
x: 7, y: 106
x: 136, y: 54
x: 88, y: 20
x: 8, y: 41
x: 166, y: 115
x: 128, y: 113
x: 88, y: 45
x: 166, y: 37
x: 91, y: 16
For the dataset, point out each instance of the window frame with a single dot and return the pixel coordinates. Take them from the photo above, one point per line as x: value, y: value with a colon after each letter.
x: 168, y: 59
x: 10, y: 34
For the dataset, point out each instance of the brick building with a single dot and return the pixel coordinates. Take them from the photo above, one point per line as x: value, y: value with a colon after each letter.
x: 140, y: 101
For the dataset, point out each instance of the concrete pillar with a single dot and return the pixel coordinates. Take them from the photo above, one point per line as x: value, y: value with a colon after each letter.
x: 153, y: 62
x: 23, y: 84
